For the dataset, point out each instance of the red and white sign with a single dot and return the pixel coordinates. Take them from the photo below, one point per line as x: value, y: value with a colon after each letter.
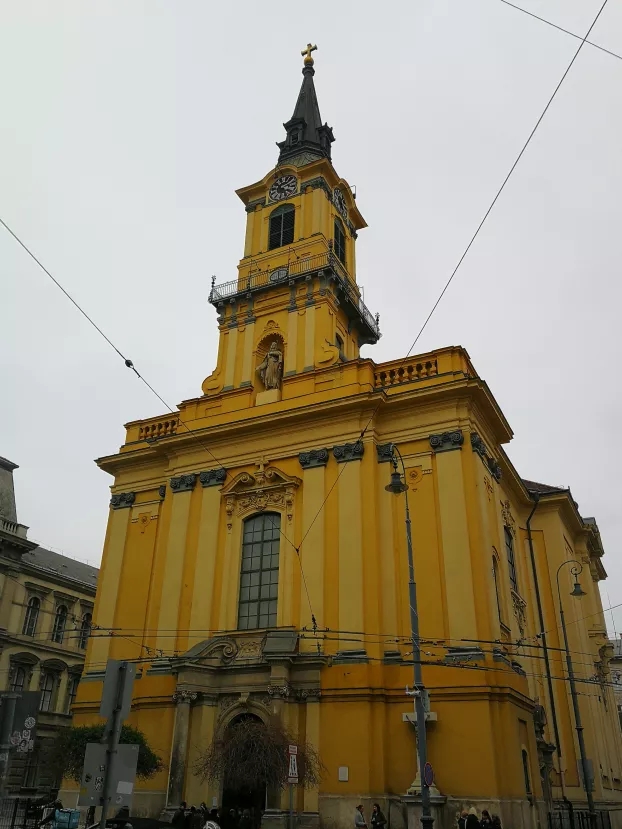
x: 292, y: 774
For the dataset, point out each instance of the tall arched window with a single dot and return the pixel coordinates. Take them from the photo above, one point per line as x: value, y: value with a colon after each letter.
x: 259, y: 579
x: 48, y: 688
x: 60, y: 622
x: 18, y: 680
x: 525, y: 757
x: 32, y: 617
x: 495, y: 576
x: 509, y: 549
x: 340, y: 241
x: 85, y: 630
x: 281, y: 226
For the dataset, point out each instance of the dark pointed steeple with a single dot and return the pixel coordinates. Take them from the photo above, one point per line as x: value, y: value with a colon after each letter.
x: 307, y: 138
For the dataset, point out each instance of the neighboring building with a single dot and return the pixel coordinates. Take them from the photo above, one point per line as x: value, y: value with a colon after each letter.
x: 616, y: 673
x: 279, y: 470
x: 46, y: 606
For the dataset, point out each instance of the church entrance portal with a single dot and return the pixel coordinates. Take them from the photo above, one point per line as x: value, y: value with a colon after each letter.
x: 242, y: 798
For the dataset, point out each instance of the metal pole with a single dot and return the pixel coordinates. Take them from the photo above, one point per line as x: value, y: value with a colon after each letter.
x: 426, y: 814
x: 575, y: 700
x: 114, y: 725
x: 291, y: 806
x: 7, y: 715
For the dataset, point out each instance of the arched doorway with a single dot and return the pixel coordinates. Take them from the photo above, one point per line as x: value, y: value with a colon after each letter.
x: 240, y: 797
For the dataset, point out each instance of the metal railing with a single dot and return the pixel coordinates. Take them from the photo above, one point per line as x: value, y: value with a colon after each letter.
x: 303, y: 265
x: 576, y: 819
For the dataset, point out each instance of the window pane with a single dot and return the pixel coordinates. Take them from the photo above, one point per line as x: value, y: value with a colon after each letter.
x: 260, y: 576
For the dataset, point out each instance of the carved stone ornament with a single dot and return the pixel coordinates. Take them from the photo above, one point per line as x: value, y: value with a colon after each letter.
x: 495, y: 469
x: 213, y: 477
x: 184, y: 483
x: 308, y: 694
x: 188, y: 697
x: 489, y: 487
x: 266, y: 488
x: 519, y: 606
x: 122, y: 500
x: 227, y: 701
x: 447, y: 441
x: 349, y: 452
x: 385, y: 452
x: 162, y: 491
x: 478, y: 445
x: 508, y: 518
x: 313, y: 458
x: 283, y: 691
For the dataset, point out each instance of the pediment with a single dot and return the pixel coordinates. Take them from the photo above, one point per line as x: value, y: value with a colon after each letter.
x: 264, y: 478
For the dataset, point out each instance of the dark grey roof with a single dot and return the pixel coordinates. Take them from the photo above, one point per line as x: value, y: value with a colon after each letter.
x: 534, y: 486
x: 305, y: 131
x: 64, y: 566
x: 5, y: 463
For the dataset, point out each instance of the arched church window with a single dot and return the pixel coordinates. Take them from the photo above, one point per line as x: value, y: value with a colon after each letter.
x: 85, y: 631
x: 340, y: 241
x: 32, y: 616
x: 509, y: 549
x: 281, y: 226
x: 495, y: 576
x: 60, y: 622
x: 259, y: 578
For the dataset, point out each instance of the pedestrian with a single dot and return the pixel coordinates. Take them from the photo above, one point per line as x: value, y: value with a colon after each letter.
x: 378, y: 820
x: 462, y: 819
x: 179, y: 815
x: 213, y: 817
x: 486, y: 821
x: 359, y: 818
x: 196, y: 820
x: 472, y: 821
x: 496, y: 822
x: 245, y: 821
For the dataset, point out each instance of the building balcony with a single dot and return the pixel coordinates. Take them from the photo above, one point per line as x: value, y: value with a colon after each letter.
x: 324, y: 264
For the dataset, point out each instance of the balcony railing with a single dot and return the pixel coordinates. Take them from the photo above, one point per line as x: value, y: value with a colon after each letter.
x: 262, y: 279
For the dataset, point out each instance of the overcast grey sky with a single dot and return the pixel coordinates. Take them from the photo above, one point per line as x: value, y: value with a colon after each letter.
x: 126, y: 126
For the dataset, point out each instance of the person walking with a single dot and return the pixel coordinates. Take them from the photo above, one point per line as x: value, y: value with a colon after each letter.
x: 472, y: 821
x: 196, y: 818
x: 486, y: 820
x: 462, y: 819
x: 378, y: 820
x: 179, y: 816
x: 496, y: 822
x: 359, y: 818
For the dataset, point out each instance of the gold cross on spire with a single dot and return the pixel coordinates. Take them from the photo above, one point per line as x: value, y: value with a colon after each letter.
x: 306, y: 53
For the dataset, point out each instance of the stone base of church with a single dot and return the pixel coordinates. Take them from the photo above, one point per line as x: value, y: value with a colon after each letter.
x: 270, y: 396
x: 279, y: 819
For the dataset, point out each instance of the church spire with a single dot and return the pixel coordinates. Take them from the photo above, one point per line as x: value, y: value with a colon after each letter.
x: 306, y: 137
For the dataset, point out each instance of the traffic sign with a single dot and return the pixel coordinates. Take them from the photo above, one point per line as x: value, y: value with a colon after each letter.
x: 292, y: 774
x: 428, y: 775
x: 117, y: 690
x: 123, y: 774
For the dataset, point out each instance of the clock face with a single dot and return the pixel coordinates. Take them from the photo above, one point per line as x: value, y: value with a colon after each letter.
x: 340, y: 202
x: 283, y: 187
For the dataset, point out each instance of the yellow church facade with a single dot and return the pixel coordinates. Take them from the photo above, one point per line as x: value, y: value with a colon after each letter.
x: 255, y: 564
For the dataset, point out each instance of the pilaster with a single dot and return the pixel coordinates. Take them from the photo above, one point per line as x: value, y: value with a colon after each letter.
x: 309, y: 360
x: 247, y: 365
x: 109, y: 578
x: 232, y: 347
x: 455, y: 546
x: 292, y: 338
x: 174, y: 565
x: 207, y: 552
x: 179, y: 748
x: 351, y: 596
x: 313, y: 549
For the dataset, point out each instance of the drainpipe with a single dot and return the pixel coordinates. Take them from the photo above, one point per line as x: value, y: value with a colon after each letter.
x: 549, y: 680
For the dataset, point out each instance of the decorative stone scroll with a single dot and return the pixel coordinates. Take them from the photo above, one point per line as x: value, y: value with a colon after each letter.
x: 162, y: 491
x: 213, y: 477
x: 184, y: 483
x: 308, y: 694
x: 283, y: 691
x: 508, y: 518
x: 122, y: 500
x: 313, y: 458
x: 478, y: 446
x: 349, y: 452
x: 447, y: 441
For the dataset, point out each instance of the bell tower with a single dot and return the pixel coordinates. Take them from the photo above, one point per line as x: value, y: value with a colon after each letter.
x: 294, y: 306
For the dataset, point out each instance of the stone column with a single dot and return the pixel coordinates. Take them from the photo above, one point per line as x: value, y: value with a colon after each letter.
x: 179, y: 750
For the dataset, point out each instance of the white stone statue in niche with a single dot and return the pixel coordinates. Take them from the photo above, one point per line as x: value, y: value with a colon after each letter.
x: 271, y: 369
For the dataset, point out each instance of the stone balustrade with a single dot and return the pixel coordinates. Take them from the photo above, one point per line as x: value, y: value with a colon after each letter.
x: 397, y: 372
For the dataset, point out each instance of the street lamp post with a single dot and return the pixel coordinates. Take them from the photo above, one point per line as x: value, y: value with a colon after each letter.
x: 577, y: 592
x: 397, y: 486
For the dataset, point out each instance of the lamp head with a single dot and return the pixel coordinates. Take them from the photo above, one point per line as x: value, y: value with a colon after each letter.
x: 577, y: 590
x: 397, y: 486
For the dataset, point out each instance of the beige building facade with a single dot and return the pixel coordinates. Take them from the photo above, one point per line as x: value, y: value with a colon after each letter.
x: 46, y: 605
